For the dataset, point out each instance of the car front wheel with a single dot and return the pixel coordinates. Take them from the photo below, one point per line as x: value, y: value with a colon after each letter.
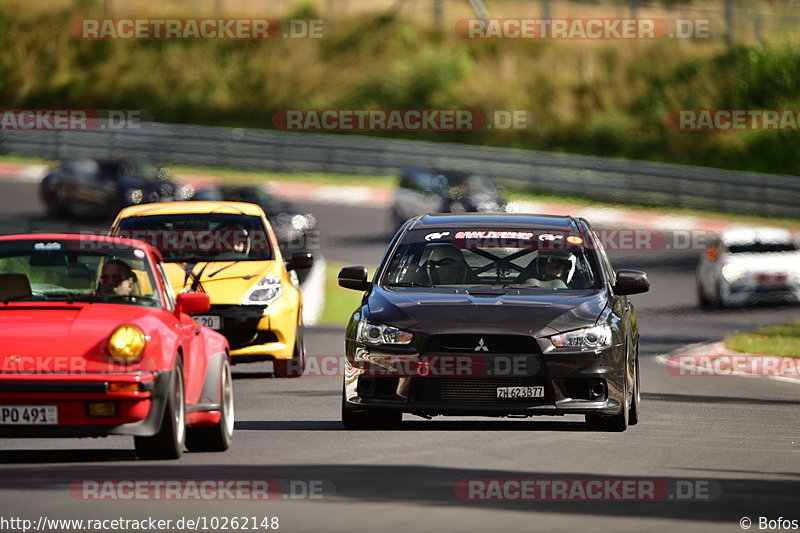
x: 618, y: 422
x: 374, y: 419
x: 170, y: 440
x: 294, y: 367
x: 216, y: 438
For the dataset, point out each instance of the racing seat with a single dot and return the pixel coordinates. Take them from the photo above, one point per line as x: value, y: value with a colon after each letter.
x: 14, y: 286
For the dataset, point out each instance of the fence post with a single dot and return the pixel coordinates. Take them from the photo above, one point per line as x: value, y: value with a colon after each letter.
x: 546, y: 13
x: 438, y: 13
x: 729, y: 22
x: 634, y: 8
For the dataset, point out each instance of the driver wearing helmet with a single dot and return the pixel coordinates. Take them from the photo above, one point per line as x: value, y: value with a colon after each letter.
x: 553, y: 270
x: 446, y: 265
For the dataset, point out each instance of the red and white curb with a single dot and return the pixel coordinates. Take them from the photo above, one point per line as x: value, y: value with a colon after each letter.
x: 715, y: 360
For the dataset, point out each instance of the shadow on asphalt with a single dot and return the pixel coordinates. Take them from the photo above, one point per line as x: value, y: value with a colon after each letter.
x: 415, y: 424
x: 690, y: 398
x: 65, y: 456
x: 429, y: 487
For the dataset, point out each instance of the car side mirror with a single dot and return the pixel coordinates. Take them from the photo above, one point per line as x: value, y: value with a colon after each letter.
x: 354, y: 277
x: 300, y: 261
x: 192, y: 303
x: 631, y: 282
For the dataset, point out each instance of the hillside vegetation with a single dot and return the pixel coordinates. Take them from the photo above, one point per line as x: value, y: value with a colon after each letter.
x: 597, y: 97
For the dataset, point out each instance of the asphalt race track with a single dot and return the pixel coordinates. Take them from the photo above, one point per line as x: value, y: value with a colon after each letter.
x: 734, y: 439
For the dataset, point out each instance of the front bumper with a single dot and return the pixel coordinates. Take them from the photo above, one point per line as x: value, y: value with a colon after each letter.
x: 748, y: 292
x: 253, y: 333
x: 138, y: 413
x: 574, y: 383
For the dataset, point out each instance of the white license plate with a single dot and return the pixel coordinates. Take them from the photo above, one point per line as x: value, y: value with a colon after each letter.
x: 28, y: 415
x: 507, y: 393
x: 209, y: 321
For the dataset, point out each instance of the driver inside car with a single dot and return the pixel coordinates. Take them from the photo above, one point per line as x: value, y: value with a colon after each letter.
x: 446, y: 265
x: 553, y: 271
x: 117, y: 279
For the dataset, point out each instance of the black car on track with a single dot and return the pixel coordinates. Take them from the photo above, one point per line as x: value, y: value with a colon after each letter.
x: 493, y: 315
x: 102, y: 187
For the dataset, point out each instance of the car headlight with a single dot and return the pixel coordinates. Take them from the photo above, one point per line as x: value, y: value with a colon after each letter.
x: 732, y: 272
x: 126, y: 344
x: 592, y: 338
x: 371, y: 333
x: 264, y: 292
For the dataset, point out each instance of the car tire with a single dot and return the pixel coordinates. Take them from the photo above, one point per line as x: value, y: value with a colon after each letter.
x: 54, y: 209
x: 294, y: 367
x: 718, y: 302
x: 170, y: 440
x: 618, y: 422
x: 636, y: 399
x: 216, y: 438
x: 373, y: 419
x: 703, y: 301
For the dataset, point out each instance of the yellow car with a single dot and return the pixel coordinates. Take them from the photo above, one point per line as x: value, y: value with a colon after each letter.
x: 229, y: 250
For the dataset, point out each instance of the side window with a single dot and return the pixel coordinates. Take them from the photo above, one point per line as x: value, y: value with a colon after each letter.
x: 606, y: 264
x: 169, y: 296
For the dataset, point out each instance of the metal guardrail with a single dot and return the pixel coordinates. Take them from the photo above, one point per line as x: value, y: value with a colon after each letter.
x: 602, y: 178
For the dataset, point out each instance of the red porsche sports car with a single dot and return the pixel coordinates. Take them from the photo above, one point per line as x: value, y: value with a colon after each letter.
x: 94, y: 343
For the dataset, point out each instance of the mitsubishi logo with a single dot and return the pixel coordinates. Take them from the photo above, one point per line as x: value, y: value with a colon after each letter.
x: 481, y: 347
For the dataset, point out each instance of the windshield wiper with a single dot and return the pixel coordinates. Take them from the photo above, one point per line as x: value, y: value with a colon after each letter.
x: 16, y: 298
x: 409, y: 284
x: 223, y: 268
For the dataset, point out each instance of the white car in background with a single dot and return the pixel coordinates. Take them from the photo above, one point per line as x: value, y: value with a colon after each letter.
x: 749, y: 265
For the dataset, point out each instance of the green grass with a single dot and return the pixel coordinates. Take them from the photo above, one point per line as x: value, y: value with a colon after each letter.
x: 782, y: 340
x: 229, y: 175
x: 339, y: 302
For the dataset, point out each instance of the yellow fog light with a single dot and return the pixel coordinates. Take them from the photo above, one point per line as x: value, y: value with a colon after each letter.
x: 126, y: 344
x: 102, y: 409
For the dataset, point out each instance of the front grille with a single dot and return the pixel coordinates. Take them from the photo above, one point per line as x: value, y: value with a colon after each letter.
x: 474, y: 390
x: 482, y: 344
x: 239, y: 323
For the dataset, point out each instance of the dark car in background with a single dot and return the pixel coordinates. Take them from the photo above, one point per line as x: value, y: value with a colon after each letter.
x: 493, y: 315
x: 294, y: 228
x: 422, y: 191
x: 102, y: 187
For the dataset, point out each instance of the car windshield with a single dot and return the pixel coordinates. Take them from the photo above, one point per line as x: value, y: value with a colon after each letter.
x: 201, y: 237
x: 499, y: 258
x: 93, y: 271
x: 130, y: 169
x: 761, y: 247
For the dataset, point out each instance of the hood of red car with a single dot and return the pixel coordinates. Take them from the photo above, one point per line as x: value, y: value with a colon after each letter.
x: 35, y: 333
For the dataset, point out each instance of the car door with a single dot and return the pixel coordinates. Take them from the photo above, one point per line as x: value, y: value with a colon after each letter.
x: 85, y: 187
x: 191, y: 340
x: 621, y: 306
